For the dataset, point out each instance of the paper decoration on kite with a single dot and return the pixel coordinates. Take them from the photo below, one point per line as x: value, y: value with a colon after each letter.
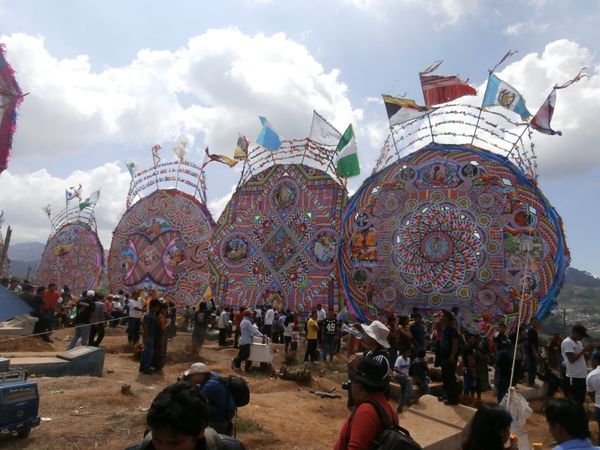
x: 275, y: 241
x: 441, y: 224
x: 161, y: 242
x: 11, y: 97
x: 73, y: 254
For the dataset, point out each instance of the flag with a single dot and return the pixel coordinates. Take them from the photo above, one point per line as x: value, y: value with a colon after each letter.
x: 323, y: 132
x: 503, y: 94
x: 347, y: 161
x: 268, y: 137
x: 179, y: 150
x: 401, y: 110
x: 131, y: 167
x: 241, y: 149
x: 90, y: 201
x: 155, y: 155
x: 443, y: 89
x: 541, y: 120
x: 47, y: 209
x: 504, y: 58
x: 69, y: 195
x: 220, y: 158
x: 76, y: 192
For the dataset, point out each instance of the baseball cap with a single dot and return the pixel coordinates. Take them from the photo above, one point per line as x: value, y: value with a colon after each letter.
x: 90, y: 293
x: 196, y: 368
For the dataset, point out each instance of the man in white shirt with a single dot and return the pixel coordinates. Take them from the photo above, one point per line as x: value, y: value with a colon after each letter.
x: 269, y: 317
x: 402, y: 377
x: 223, y: 325
x: 573, y: 355
x: 136, y: 310
x: 593, y: 386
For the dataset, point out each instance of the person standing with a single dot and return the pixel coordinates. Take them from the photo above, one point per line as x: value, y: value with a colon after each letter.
x: 161, y: 339
x: 149, y: 334
x: 312, y: 335
x: 269, y: 318
x: 97, y: 322
x: 172, y: 316
x: 238, y: 324
x: 418, y: 332
x: 288, y: 329
x: 201, y: 321
x: 85, y: 308
x: 52, y: 300
x: 593, y: 387
x: 576, y: 367
x: 223, y: 324
x: 532, y: 351
x: 448, y: 357
x: 247, y: 332
x: 331, y: 330
x: 136, y: 310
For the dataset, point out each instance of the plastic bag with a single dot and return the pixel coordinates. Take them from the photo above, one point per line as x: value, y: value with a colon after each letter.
x: 519, y: 409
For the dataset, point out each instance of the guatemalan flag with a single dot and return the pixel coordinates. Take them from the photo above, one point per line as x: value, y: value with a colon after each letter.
x: 541, y: 120
x: 503, y: 94
x: 268, y: 137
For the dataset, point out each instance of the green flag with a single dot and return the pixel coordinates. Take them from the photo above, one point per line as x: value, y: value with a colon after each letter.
x: 347, y: 160
x: 90, y: 201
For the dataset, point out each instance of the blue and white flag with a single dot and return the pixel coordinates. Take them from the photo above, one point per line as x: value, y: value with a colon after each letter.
x: 268, y: 137
x: 503, y: 94
x: 69, y: 195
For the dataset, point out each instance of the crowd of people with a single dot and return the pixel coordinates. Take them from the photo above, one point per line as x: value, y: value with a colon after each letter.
x: 406, y: 350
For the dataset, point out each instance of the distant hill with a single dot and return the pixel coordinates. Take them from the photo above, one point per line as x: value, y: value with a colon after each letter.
x: 581, y: 278
x: 26, y: 251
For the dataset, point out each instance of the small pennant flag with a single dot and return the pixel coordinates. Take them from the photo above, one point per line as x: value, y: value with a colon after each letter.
x: 69, y: 195
x: 401, y: 110
x: 47, y: 209
x: 541, y: 120
x: 155, y: 155
x: 241, y: 149
x: 323, y: 132
x: 268, y: 137
x: 442, y: 89
x: 179, y: 150
x: 131, y: 168
x: 347, y: 161
x: 76, y: 192
x: 90, y: 201
x: 220, y: 159
x: 503, y: 94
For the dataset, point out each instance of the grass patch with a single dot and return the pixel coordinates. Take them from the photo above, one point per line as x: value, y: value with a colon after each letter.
x: 244, y: 425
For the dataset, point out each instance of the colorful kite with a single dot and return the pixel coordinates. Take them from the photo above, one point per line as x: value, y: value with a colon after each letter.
x: 10, y: 99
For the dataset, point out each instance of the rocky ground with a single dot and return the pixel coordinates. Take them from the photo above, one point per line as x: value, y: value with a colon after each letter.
x: 89, y: 412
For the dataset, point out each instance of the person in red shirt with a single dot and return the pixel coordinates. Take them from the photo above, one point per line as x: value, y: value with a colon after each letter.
x: 364, y: 426
x: 51, y: 300
x: 237, y: 322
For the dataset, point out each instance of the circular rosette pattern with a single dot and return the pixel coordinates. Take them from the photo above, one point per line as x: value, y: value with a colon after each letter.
x: 438, y: 248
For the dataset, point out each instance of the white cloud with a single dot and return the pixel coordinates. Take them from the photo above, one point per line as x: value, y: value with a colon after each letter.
x: 217, y: 205
x: 231, y: 77
x: 23, y: 196
x: 520, y: 28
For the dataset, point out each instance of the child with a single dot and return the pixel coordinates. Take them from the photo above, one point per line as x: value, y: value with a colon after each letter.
x: 402, y: 376
x: 469, y: 368
x: 295, y: 338
x: 420, y: 372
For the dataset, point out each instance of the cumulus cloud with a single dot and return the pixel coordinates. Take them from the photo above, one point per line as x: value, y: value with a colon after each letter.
x: 520, y: 28
x: 23, y: 196
x: 212, y: 88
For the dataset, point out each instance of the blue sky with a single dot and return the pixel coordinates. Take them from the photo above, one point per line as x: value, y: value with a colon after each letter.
x: 108, y: 80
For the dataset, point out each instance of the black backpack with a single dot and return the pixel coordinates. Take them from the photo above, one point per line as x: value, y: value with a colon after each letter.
x: 393, y: 437
x: 238, y: 388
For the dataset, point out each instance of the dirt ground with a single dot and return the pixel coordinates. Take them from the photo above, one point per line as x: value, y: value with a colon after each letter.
x: 92, y: 413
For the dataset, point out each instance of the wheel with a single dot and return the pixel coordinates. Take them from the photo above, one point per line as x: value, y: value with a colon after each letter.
x: 23, y: 433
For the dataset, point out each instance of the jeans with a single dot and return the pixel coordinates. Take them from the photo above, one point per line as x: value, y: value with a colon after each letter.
x: 133, y: 330
x: 81, y: 331
x: 287, y: 341
x: 469, y: 382
x: 96, y: 334
x: 222, y: 337
x: 243, y: 355
x: 449, y: 380
x: 575, y: 389
x: 406, y: 392
x: 531, y: 368
x: 423, y: 384
x: 501, y: 383
x: 328, y: 347
x: 147, y: 356
x: 311, y: 350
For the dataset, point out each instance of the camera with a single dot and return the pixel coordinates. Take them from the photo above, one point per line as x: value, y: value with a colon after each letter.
x: 346, y: 385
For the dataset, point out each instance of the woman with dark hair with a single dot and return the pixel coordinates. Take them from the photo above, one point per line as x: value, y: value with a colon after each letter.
x: 490, y: 429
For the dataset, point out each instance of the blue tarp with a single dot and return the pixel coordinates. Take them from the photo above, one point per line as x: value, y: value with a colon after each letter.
x: 11, y: 305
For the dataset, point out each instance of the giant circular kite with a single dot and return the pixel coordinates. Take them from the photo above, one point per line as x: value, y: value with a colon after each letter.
x: 73, y: 256
x: 161, y: 244
x: 451, y: 226
x: 275, y: 241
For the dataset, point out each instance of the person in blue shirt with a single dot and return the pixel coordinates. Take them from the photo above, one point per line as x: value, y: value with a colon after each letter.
x: 568, y: 424
x: 247, y: 332
x: 221, y: 404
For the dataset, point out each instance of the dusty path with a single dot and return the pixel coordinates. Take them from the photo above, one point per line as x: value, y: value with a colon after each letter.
x: 92, y: 413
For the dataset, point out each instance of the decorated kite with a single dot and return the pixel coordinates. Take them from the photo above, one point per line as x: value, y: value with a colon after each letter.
x: 73, y: 255
x: 161, y: 242
x: 276, y: 240
x: 10, y: 99
x: 452, y: 216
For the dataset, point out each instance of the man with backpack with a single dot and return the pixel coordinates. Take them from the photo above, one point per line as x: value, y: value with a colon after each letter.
x: 221, y: 402
x: 373, y: 422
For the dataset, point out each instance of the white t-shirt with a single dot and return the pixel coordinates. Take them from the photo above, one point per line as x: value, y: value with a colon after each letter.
x: 223, y: 320
x: 578, y: 369
x: 133, y: 312
x: 289, y: 328
x: 402, y: 366
x: 321, y: 314
x: 593, y: 384
x: 269, y: 316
